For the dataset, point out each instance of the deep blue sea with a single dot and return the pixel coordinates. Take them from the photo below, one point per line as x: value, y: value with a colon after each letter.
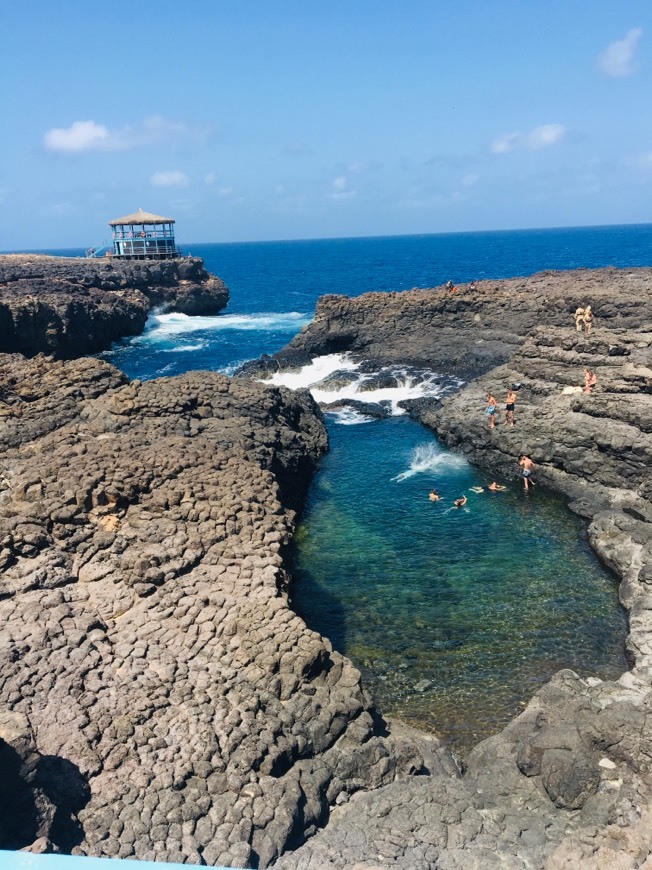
x: 455, y: 617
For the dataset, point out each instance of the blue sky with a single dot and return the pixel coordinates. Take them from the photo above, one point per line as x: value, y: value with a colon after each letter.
x: 258, y: 120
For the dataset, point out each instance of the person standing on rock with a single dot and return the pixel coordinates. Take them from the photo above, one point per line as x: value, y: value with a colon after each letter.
x: 588, y: 319
x: 490, y: 410
x: 579, y: 318
x: 527, y: 466
x: 510, y: 401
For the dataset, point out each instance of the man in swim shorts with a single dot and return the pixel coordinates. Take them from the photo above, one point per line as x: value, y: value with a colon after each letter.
x: 579, y: 318
x: 490, y: 410
x: 510, y: 401
x: 526, y: 465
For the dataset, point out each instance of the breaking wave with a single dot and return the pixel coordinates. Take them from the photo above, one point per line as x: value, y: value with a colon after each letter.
x: 161, y: 326
x: 337, y: 378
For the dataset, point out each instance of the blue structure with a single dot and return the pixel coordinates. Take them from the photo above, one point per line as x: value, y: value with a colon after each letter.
x: 144, y: 236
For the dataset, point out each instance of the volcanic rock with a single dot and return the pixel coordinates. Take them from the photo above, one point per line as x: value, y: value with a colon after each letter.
x: 147, y: 645
x: 68, y: 307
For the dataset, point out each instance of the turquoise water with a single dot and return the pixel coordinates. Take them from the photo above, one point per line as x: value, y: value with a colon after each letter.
x: 454, y: 616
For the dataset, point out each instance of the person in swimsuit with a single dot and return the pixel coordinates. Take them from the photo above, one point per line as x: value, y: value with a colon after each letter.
x: 496, y: 487
x: 460, y: 502
x: 526, y: 465
x: 588, y: 319
x: 590, y: 380
x: 490, y: 410
x: 579, y: 318
x: 510, y: 401
x: 434, y: 495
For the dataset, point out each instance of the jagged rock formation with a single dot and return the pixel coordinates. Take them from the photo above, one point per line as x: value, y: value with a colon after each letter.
x: 568, y: 783
x: 69, y: 307
x: 149, y: 651
x: 147, y: 640
x: 467, y: 332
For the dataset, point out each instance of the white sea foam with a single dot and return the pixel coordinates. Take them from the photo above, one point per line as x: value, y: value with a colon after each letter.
x: 350, y: 417
x: 319, y: 369
x: 160, y: 326
x: 410, y: 383
x: 430, y: 457
x: 187, y: 347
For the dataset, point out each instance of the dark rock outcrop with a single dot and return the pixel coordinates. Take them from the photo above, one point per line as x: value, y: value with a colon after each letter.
x: 69, y: 307
x: 147, y: 640
x: 467, y: 332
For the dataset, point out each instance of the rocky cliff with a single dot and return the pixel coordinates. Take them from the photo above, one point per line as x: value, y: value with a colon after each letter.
x: 69, y: 307
x: 158, y: 697
x: 468, y: 331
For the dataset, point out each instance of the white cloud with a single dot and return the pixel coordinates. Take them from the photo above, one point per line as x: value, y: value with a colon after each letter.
x: 341, y: 188
x: 86, y: 136
x: 210, y: 178
x: 506, y: 143
x: 546, y: 135
x: 297, y: 149
x: 540, y: 137
x: 641, y: 161
x: 470, y: 179
x: 80, y: 136
x: 617, y: 60
x: 174, y: 178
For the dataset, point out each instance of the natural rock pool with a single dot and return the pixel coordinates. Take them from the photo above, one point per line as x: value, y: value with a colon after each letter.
x: 455, y: 617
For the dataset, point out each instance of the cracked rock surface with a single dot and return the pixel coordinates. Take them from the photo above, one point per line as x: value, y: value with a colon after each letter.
x: 68, y: 307
x: 147, y: 641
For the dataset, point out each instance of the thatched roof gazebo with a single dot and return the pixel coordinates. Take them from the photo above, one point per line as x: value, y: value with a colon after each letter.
x: 144, y: 236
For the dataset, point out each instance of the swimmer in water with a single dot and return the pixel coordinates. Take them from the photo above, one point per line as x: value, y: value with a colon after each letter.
x: 460, y: 502
x: 434, y: 495
x: 477, y: 489
x: 496, y: 487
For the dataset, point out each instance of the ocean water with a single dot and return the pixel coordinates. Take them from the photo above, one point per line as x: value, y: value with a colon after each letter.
x: 455, y: 617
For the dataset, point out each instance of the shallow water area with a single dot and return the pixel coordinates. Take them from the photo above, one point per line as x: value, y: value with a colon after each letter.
x: 455, y: 616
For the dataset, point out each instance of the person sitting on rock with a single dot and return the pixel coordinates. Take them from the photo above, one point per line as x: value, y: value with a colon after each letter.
x: 434, y: 495
x: 588, y: 319
x: 496, y: 487
x: 590, y: 380
x: 473, y: 286
x: 450, y: 286
x: 579, y: 318
x: 460, y: 502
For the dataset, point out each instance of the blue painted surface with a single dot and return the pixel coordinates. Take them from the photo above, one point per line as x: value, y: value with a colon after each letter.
x: 27, y: 861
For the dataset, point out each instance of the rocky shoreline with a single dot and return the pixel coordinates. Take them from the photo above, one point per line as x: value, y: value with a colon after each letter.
x: 159, y: 698
x: 68, y: 307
